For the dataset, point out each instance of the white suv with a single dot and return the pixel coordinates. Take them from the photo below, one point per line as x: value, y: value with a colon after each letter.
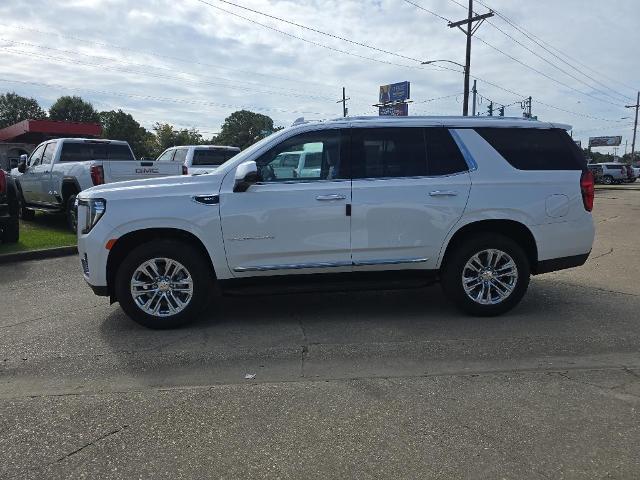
x: 477, y: 203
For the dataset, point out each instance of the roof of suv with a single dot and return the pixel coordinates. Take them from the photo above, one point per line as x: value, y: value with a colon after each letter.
x: 208, y: 147
x: 461, y: 122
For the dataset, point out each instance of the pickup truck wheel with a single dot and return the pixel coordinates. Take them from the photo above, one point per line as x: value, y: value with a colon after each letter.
x: 11, y: 232
x: 487, y: 275
x: 163, y: 284
x: 71, y: 212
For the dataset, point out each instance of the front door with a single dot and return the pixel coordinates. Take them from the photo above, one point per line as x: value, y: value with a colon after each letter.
x: 291, y: 221
x: 410, y: 186
x: 43, y: 176
x: 29, y: 182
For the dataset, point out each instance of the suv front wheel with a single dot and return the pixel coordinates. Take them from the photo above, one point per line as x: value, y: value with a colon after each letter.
x: 163, y: 284
x: 486, y: 275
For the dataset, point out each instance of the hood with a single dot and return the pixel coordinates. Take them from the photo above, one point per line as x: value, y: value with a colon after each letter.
x: 156, y: 187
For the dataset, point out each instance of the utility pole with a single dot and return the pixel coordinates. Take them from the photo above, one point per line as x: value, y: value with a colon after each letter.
x: 345, y: 110
x: 527, y: 107
x: 469, y: 31
x: 475, y: 95
x: 501, y: 111
x: 490, y: 109
x: 635, y: 127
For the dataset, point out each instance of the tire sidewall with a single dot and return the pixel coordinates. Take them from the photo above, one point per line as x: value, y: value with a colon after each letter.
x: 71, y: 213
x: 607, y: 179
x: 452, y: 273
x: 184, y: 253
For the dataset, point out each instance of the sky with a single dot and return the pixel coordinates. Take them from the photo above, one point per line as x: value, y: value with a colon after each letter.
x: 192, y: 63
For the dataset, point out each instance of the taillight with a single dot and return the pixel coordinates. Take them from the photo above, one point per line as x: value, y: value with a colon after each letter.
x: 97, y: 174
x: 3, y: 181
x: 587, y: 187
x: 185, y: 170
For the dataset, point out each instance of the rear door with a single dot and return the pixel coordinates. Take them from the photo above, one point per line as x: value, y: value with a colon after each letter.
x: 410, y: 186
x: 120, y: 165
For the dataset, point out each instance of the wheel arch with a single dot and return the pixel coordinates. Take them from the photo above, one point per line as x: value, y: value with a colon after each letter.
x: 510, y: 228
x: 135, y: 238
x: 70, y: 186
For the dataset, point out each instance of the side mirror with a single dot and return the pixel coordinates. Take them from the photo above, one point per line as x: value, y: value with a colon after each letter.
x: 22, y: 164
x: 246, y: 175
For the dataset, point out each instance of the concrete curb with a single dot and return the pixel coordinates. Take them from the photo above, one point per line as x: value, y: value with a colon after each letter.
x: 38, y: 254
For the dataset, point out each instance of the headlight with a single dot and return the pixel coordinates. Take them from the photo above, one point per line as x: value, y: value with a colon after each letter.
x: 91, y: 211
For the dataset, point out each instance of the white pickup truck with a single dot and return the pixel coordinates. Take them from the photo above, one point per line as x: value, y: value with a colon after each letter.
x: 59, y: 169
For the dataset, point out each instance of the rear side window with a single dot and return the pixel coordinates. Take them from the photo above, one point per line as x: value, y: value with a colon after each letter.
x: 388, y: 152
x: 181, y: 155
x: 82, y: 152
x: 211, y: 157
x: 443, y: 155
x: 535, y: 148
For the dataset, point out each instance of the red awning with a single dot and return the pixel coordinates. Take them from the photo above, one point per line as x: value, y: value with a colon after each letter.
x: 36, y: 131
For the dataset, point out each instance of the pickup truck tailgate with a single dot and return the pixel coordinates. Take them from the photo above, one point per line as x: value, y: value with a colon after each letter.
x: 119, y: 171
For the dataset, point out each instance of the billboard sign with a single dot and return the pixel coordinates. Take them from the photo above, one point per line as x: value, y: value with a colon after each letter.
x: 605, y: 141
x: 394, y: 110
x: 396, y: 92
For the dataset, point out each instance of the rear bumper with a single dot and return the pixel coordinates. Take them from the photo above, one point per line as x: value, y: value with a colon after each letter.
x: 555, y: 264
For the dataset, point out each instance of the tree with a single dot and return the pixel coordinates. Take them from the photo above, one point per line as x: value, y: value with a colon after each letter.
x: 244, y: 128
x: 15, y: 108
x: 73, y: 109
x: 118, y: 125
x: 167, y: 136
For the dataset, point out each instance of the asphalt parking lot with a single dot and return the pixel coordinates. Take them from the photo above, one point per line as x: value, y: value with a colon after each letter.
x: 393, y: 384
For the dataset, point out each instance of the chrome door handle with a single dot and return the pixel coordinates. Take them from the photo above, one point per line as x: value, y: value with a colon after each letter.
x: 330, y: 198
x: 443, y: 193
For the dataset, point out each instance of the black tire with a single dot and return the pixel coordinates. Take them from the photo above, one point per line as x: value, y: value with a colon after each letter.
x: 452, y: 272
x: 11, y: 231
x: 182, y: 252
x: 607, y: 179
x: 71, y: 213
x: 26, y: 213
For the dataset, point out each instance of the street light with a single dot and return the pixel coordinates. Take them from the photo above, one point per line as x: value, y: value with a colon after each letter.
x: 464, y: 71
x: 428, y: 62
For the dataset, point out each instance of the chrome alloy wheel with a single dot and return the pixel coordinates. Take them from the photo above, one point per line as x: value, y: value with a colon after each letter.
x: 161, y: 287
x: 489, y: 277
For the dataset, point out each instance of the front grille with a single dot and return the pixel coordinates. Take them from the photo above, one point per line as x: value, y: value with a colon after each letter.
x: 85, y: 264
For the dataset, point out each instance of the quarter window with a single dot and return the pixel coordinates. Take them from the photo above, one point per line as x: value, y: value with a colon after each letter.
x: 535, y: 148
x: 305, y: 157
x: 388, y: 152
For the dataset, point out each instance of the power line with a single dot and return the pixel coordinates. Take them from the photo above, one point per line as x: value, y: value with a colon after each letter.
x: 537, y: 40
x: 311, y: 29
x: 559, y: 82
x: 160, y: 99
x: 157, y: 55
x: 428, y: 11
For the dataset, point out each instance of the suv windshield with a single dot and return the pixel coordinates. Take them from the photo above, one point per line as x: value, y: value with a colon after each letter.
x: 212, y: 156
x: 81, y: 152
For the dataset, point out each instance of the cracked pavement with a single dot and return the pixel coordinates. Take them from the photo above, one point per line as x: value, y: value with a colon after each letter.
x: 393, y: 384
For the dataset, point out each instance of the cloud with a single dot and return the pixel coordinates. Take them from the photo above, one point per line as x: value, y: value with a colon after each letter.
x: 189, y: 64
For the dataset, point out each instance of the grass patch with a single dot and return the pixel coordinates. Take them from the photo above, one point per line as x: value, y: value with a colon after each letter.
x: 45, y: 231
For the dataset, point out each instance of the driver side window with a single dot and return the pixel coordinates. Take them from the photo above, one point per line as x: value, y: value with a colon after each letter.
x: 36, y: 156
x: 305, y: 157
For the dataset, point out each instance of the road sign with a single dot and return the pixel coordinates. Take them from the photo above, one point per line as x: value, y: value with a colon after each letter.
x: 605, y: 141
x: 394, y: 110
x: 396, y: 92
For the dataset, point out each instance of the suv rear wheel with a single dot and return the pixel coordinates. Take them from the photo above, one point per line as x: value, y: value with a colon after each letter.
x: 163, y: 284
x: 486, y: 275
x: 607, y: 179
